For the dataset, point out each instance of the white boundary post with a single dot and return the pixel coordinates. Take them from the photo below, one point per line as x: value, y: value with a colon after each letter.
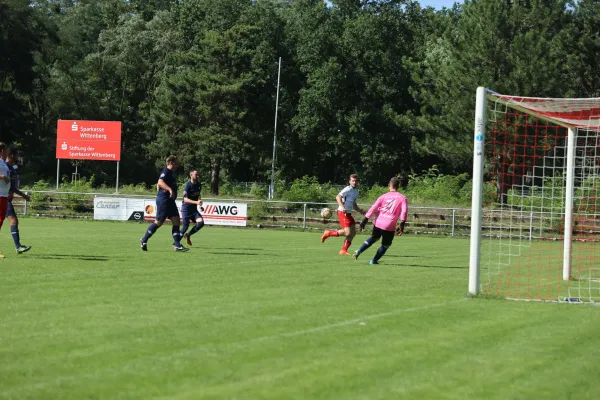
x: 568, y: 236
x: 25, y: 205
x: 477, y: 196
x: 304, y: 218
x: 530, y: 226
x: 272, y: 187
x: 57, y: 172
x: 117, y: 186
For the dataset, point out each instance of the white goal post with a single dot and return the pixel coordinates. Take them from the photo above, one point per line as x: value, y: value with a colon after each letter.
x: 535, y: 218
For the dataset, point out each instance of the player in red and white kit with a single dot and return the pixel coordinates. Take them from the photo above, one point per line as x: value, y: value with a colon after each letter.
x: 389, y: 207
x: 346, y: 200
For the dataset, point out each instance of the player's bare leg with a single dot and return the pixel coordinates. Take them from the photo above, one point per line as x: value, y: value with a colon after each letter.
x: 349, y: 233
x: 335, y: 233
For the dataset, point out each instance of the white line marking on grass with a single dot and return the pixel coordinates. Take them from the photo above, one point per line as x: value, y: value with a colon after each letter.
x: 240, y: 385
x: 349, y: 322
x: 133, y: 365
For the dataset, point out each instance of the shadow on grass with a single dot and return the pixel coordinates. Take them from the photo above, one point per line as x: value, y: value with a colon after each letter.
x: 422, y: 266
x: 69, y: 257
x: 240, y: 248
x: 229, y: 253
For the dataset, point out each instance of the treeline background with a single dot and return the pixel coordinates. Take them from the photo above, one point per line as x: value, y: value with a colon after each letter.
x: 374, y: 87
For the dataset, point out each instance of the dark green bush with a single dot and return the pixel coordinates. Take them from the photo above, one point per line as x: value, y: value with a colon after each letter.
x: 308, y: 189
x: 258, y: 211
x: 374, y: 192
x: 548, y: 198
x: 76, y: 201
x: 39, y: 201
x: 259, y: 191
x: 433, y: 187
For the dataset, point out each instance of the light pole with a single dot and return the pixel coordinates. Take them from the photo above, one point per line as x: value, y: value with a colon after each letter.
x: 272, y: 187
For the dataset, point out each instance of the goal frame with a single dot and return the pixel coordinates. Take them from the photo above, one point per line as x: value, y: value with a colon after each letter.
x: 479, y: 137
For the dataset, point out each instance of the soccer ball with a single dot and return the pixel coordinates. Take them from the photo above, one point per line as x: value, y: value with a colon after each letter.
x: 326, y: 213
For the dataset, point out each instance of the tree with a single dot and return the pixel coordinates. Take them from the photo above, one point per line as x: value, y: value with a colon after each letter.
x: 202, y: 105
x: 21, y: 37
x: 503, y: 45
x: 353, y: 110
x: 131, y: 61
x: 579, y: 49
x: 148, y: 9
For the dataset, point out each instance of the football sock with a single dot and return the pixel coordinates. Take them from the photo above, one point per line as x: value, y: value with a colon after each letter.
x: 380, y: 252
x: 184, y: 227
x: 346, y: 245
x: 176, y: 235
x: 366, y: 244
x: 149, y: 232
x: 334, y: 233
x: 14, y: 229
x: 196, y: 228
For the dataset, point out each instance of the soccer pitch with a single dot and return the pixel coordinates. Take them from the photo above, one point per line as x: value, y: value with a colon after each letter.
x: 255, y: 314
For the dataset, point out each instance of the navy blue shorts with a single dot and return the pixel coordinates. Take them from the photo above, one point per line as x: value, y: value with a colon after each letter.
x: 189, y: 216
x: 10, y: 210
x: 166, y: 209
x: 387, y: 237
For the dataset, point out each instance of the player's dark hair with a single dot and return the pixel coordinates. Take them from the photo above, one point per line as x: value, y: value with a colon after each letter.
x: 3, y: 146
x: 354, y: 176
x: 192, y: 170
x: 171, y: 159
x: 13, y: 152
x: 395, y: 182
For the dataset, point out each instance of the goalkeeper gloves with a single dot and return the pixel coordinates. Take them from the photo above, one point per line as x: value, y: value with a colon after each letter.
x: 363, y: 224
x: 400, y: 229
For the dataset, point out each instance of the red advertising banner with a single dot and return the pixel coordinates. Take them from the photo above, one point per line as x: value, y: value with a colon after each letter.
x: 88, y: 140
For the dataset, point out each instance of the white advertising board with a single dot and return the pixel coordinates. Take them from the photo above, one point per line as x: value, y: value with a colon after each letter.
x: 121, y: 209
x: 118, y: 209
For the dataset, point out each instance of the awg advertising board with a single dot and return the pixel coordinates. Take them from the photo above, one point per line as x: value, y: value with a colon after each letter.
x: 225, y: 214
x: 124, y: 209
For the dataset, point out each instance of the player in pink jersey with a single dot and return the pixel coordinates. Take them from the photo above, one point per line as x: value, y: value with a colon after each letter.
x: 389, y: 207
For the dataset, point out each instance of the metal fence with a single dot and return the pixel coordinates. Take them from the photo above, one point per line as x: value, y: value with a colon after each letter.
x: 301, y: 215
x: 261, y: 213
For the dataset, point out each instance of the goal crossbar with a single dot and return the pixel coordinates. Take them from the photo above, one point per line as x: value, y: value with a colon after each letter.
x: 568, y: 113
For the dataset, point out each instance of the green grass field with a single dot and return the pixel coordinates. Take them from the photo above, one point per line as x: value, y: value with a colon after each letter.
x: 254, y: 314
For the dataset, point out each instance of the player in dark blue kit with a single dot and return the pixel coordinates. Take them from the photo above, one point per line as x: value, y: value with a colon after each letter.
x: 189, y: 207
x: 165, y: 205
x: 11, y: 159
